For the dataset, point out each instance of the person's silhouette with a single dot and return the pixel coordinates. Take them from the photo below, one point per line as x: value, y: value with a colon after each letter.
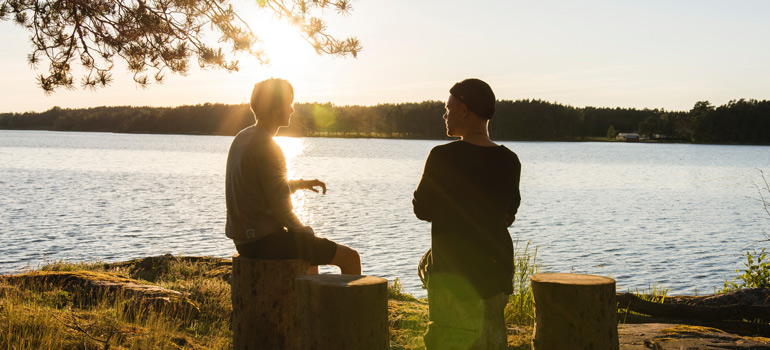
x: 469, y: 191
x: 260, y: 220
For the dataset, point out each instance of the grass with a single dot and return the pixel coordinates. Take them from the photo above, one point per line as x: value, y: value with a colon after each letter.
x: 520, y: 307
x: 54, y: 313
x: 654, y: 293
x: 408, y: 322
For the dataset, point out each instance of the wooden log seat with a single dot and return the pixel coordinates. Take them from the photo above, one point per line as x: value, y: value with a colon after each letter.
x: 343, y: 312
x: 574, y: 311
x: 264, y: 297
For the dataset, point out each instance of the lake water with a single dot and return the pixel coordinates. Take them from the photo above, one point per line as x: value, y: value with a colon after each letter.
x: 676, y: 215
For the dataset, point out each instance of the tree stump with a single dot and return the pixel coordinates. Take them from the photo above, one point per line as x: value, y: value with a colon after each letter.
x: 343, y: 312
x: 264, y: 300
x: 574, y: 311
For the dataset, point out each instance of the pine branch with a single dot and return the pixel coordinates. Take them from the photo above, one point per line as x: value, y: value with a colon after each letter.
x: 159, y: 35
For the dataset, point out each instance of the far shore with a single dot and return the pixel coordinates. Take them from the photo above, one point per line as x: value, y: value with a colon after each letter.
x: 383, y: 137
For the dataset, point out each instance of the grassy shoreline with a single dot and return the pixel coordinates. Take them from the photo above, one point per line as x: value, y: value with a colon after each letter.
x: 188, y: 307
x: 183, y: 302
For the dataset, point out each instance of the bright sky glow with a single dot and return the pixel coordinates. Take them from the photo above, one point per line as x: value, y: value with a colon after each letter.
x: 654, y: 54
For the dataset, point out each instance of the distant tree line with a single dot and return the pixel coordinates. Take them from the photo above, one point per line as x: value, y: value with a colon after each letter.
x: 739, y: 121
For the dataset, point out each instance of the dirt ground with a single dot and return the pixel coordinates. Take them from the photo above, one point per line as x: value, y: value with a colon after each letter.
x: 662, y: 336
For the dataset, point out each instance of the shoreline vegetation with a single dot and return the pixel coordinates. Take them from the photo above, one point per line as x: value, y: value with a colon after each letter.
x: 183, y: 302
x: 737, y: 122
x: 163, y: 302
x: 180, y: 302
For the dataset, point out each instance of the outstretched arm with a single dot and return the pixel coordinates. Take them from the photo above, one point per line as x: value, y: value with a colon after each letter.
x: 302, y: 184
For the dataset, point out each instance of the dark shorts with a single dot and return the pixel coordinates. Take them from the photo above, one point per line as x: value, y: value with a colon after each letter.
x: 290, y: 245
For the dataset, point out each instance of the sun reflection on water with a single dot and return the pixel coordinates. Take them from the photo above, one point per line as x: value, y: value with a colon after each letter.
x: 292, y: 148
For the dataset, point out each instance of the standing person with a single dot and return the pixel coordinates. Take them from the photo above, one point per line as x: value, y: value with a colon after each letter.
x: 260, y: 220
x: 469, y: 191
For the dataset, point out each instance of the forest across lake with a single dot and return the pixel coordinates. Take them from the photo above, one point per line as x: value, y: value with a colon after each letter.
x: 737, y: 122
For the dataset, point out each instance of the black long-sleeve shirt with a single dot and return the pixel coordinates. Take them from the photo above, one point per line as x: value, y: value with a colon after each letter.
x: 470, y: 194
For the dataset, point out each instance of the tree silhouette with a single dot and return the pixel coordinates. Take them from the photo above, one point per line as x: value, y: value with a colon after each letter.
x: 154, y: 36
x: 739, y: 121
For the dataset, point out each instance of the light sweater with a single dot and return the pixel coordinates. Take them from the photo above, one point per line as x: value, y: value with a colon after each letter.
x: 258, y: 194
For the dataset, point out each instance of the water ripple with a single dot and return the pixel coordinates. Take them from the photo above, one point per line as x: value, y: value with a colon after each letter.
x: 679, y: 216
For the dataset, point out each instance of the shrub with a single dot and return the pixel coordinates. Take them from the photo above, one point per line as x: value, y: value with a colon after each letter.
x: 756, y: 274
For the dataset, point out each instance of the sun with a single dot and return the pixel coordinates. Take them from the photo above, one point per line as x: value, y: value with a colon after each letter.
x: 285, y: 45
x: 287, y: 51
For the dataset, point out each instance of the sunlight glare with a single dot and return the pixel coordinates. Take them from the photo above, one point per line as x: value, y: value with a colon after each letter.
x: 287, y: 51
x: 291, y: 146
x: 298, y: 201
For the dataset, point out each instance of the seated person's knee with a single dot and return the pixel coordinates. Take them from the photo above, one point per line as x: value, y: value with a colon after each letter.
x: 348, y: 260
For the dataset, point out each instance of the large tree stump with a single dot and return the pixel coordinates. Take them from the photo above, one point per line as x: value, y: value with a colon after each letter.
x: 574, y: 311
x: 265, y: 312
x: 343, y: 312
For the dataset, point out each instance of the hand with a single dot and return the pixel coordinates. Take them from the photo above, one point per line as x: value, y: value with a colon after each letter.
x: 311, y: 185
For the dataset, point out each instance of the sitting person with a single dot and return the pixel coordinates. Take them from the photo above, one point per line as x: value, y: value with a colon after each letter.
x: 260, y: 220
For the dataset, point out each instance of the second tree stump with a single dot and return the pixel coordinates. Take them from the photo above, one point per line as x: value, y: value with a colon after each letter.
x: 343, y: 312
x: 574, y: 312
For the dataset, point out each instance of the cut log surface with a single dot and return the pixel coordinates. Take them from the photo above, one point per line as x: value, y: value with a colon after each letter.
x: 574, y: 311
x: 264, y: 299
x: 343, y: 312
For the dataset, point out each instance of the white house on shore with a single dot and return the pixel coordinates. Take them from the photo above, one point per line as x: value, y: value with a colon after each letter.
x: 628, y: 136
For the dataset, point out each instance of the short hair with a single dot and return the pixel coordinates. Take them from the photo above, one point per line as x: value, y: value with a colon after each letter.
x: 270, y: 94
x: 476, y: 95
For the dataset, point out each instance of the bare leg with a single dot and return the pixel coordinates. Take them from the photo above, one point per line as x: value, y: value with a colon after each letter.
x: 312, y: 270
x: 347, y: 259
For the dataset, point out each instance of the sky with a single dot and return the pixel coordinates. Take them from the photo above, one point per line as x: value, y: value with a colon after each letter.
x: 602, y: 53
